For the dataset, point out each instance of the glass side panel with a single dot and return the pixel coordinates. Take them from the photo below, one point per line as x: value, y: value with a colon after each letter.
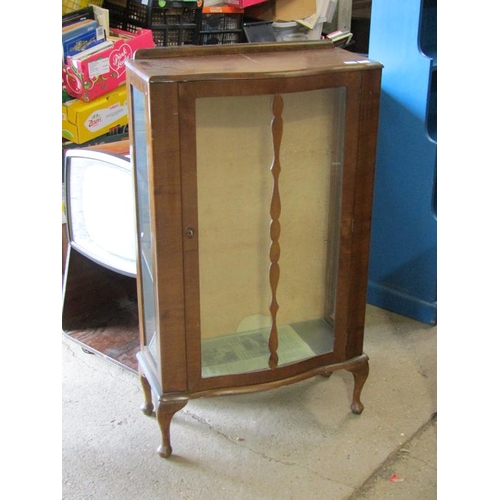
x: 144, y: 220
x: 235, y: 189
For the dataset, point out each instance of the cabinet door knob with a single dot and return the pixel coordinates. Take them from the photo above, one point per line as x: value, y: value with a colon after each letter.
x: 190, y: 231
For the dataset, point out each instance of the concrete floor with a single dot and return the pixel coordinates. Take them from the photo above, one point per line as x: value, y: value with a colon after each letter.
x: 295, y: 442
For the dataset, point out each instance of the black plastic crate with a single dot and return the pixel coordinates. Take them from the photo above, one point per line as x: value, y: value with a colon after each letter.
x: 221, y: 22
x: 172, y: 23
x: 117, y: 13
x: 220, y: 38
x: 175, y: 34
x: 221, y: 28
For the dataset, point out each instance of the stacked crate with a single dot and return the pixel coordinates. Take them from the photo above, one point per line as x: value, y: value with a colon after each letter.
x: 172, y: 22
x: 221, y: 25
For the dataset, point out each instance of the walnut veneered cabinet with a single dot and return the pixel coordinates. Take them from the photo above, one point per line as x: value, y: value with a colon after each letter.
x: 253, y: 174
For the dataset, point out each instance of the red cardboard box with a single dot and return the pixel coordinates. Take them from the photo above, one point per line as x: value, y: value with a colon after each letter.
x: 103, y: 71
x: 222, y: 9
x: 243, y: 3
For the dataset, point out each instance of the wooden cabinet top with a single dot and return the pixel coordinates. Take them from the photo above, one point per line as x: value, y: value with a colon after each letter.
x: 241, y: 61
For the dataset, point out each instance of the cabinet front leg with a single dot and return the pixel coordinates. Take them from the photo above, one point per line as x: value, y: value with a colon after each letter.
x: 360, y: 373
x: 164, y: 414
x: 147, y: 406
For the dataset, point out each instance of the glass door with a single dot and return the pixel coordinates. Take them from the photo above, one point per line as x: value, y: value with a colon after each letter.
x: 146, y: 262
x: 269, y: 173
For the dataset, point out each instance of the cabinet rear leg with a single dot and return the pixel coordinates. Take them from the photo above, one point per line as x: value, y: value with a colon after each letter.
x: 147, y: 406
x: 360, y: 373
x: 164, y: 414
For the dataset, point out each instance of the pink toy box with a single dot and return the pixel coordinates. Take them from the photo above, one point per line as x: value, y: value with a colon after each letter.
x: 103, y: 71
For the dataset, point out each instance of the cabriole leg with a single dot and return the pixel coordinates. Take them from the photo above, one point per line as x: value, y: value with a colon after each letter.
x: 164, y: 415
x: 360, y: 373
x: 147, y: 406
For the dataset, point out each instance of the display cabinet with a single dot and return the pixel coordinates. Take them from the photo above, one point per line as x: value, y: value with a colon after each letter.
x: 253, y: 171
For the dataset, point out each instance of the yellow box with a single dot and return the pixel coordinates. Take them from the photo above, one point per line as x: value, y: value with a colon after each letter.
x: 83, y: 121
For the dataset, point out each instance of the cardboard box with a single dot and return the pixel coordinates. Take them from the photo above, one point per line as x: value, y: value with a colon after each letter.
x: 84, y: 121
x: 282, y: 10
x: 104, y: 71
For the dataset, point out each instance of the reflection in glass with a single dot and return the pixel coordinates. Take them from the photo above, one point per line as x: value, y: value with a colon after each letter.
x: 235, y: 187
x: 144, y: 220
